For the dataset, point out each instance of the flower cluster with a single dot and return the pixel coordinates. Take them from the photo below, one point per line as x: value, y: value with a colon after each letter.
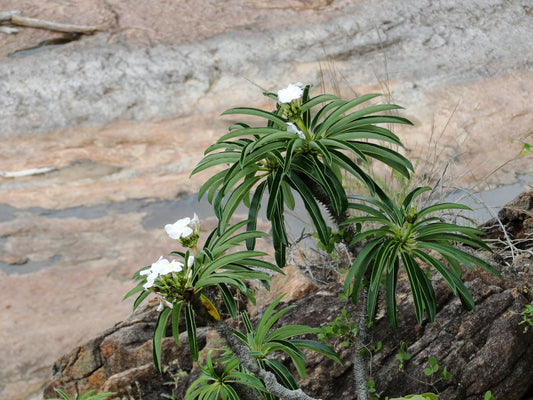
x: 160, y: 267
x: 289, y: 101
x: 168, y: 279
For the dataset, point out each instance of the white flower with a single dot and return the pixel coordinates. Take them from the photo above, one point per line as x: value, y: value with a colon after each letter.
x: 160, y: 267
x: 294, y: 129
x: 182, y: 228
x: 290, y: 93
x: 173, y: 266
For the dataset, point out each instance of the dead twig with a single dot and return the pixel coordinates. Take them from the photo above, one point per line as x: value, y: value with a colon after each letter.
x: 15, y: 18
x: 7, y: 15
x: 51, y: 26
x: 8, y: 30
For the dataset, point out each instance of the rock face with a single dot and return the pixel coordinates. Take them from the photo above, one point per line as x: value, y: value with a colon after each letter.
x: 483, y: 350
x: 120, y: 360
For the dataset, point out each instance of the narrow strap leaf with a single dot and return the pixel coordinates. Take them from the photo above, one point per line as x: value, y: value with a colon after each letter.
x: 190, y: 323
x: 159, y: 334
x: 176, y: 312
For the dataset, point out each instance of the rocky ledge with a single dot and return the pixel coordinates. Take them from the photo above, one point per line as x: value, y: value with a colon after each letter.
x: 483, y: 350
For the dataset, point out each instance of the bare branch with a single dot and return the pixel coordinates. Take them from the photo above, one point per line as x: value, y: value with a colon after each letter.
x: 7, y: 15
x: 8, y: 30
x: 241, y: 352
x: 51, y: 26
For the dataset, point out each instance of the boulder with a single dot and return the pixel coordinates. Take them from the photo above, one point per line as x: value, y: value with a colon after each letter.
x: 120, y: 360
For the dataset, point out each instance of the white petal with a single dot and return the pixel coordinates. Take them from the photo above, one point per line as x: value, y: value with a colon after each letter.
x: 290, y: 93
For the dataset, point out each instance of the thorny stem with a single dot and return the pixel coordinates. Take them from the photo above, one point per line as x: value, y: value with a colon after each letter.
x: 361, y: 362
x: 361, y: 359
x: 240, y: 351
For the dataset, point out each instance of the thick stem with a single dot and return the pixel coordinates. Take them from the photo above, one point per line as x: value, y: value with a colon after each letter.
x: 240, y: 351
x: 361, y: 360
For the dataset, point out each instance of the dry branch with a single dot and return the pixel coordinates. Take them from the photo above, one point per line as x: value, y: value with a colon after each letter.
x: 8, y: 30
x: 7, y: 15
x: 51, y: 26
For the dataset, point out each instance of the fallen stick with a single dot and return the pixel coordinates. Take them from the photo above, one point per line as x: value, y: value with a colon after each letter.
x: 51, y: 26
x: 7, y: 15
x: 26, y: 172
x: 8, y: 30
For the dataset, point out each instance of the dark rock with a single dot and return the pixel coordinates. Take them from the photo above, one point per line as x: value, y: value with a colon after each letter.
x: 120, y: 360
x: 514, y: 223
x: 483, y: 350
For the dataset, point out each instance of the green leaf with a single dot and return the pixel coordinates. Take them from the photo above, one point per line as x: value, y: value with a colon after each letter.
x: 190, y: 323
x: 461, y: 256
x: 278, y: 136
x: 269, y: 318
x: 347, y: 164
x: 253, y: 132
x: 288, y: 331
x: 255, y: 112
x: 282, y: 373
x: 274, y: 185
x: 326, y: 179
x: 358, y: 115
x: 62, y: 394
x: 448, y: 275
x: 389, y: 157
x: 225, y: 261
x: 360, y: 265
x: 312, y: 207
x: 229, y: 300
x: 334, y: 143
x: 140, y: 299
x: 391, y: 283
x: 412, y: 195
x: 264, y: 152
x: 253, y: 211
x: 442, y: 206
x: 159, y: 334
x: 211, y: 160
x: 214, y: 242
x: 133, y: 291
x: 176, y: 311
x: 317, y: 100
x: 234, y: 200
x: 334, y: 116
x: 317, y: 347
x: 288, y: 196
x: 445, y: 375
x: 367, y: 132
x: 296, y: 355
x: 381, y: 260
x: 212, y: 183
x: 423, y: 294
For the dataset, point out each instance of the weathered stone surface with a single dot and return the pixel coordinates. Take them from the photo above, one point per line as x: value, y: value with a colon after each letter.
x: 120, y: 360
